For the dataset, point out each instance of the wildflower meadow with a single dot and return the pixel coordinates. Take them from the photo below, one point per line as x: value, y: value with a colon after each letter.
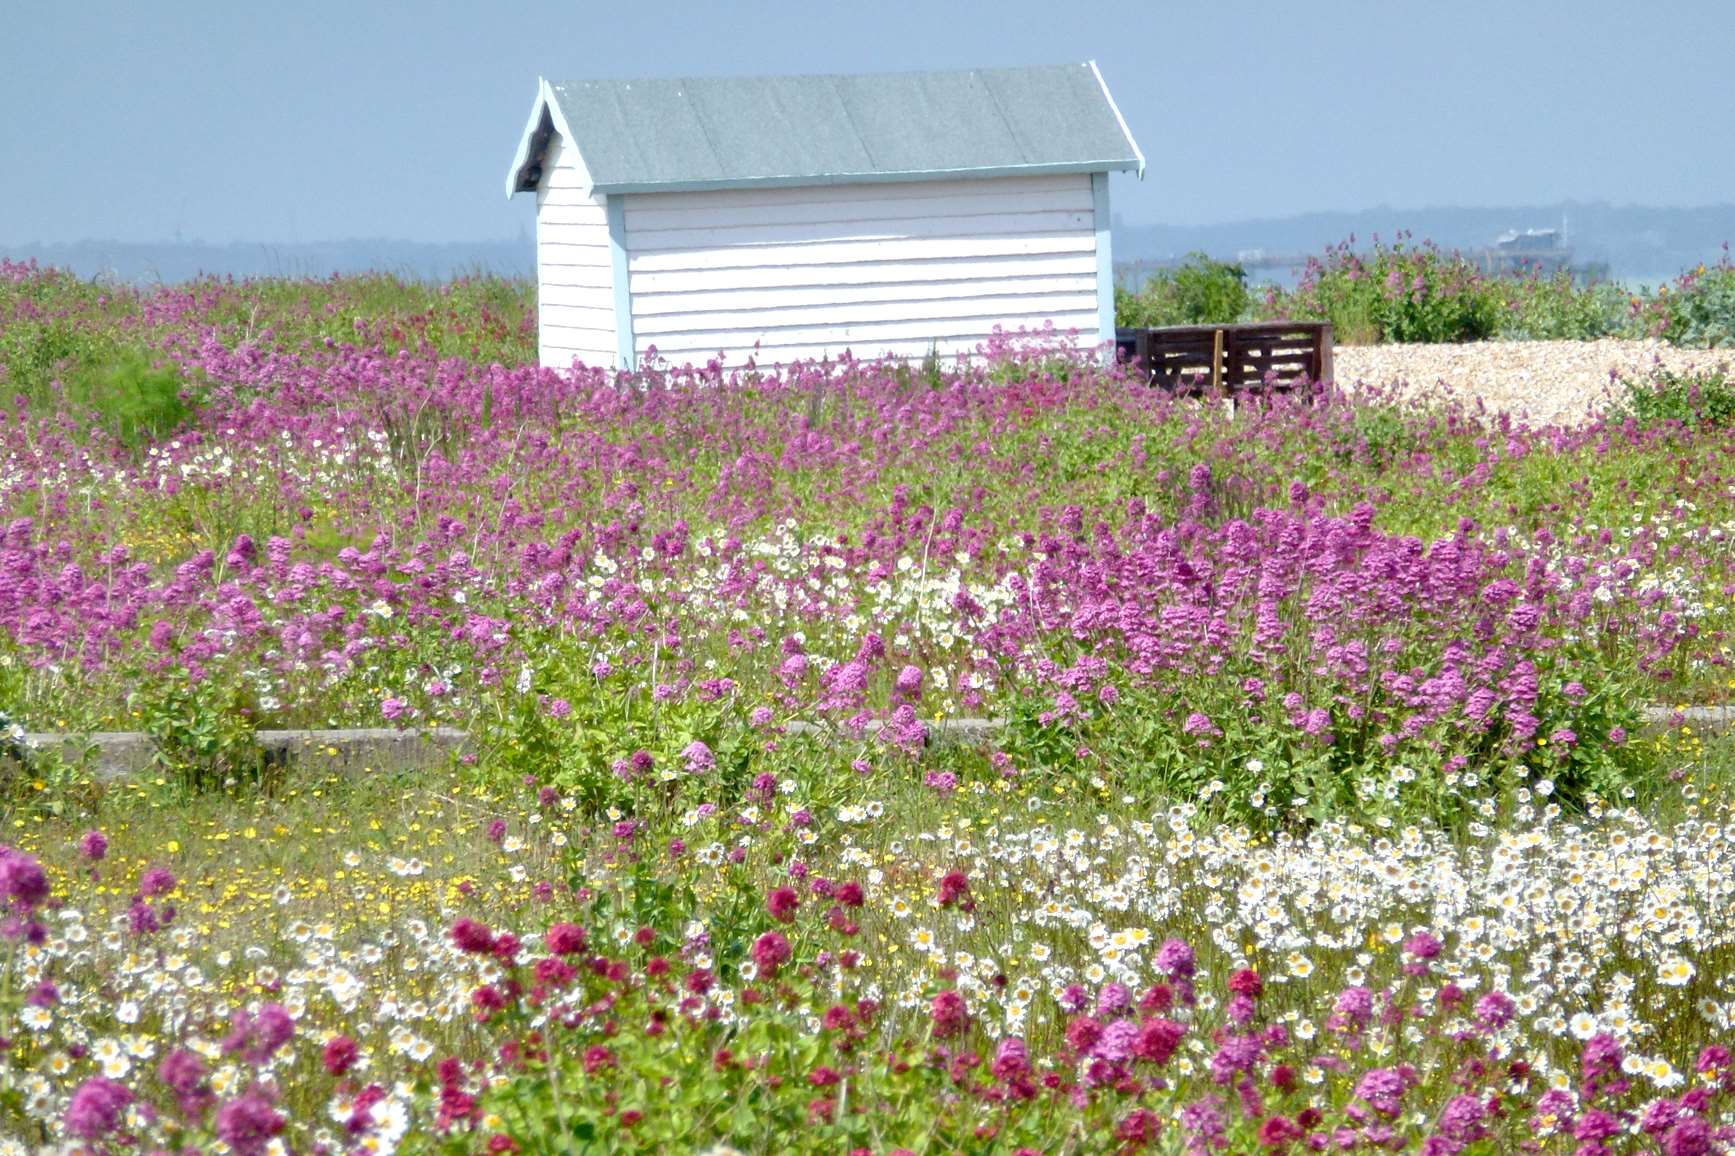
x: 860, y: 757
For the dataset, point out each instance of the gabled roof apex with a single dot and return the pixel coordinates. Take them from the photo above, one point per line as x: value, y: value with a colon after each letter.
x: 728, y: 132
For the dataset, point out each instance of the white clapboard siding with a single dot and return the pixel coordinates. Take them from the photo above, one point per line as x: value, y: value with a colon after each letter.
x: 575, y: 282
x: 768, y: 353
x: 900, y: 268
x: 811, y: 278
x: 723, y: 300
x: 891, y: 229
x: 862, y: 313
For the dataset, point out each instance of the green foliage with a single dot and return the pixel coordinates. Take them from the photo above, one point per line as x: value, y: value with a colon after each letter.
x: 1689, y: 399
x: 1202, y: 291
x: 1701, y: 307
x: 1248, y: 764
x: 204, y: 735
x: 1397, y: 293
x: 133, y: 400
x: 1556, y: 308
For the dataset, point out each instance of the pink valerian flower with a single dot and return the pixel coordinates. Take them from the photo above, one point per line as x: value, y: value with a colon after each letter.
x: 156, y: 881
x: 1175, y: 959
x: 23, y: 882
x: 472, y: 937
x: 1600, y: 1065
x: 698, y: 758
x: 1200, y: 724
x: 782, y: 903
x: 1495, y: 1010
x: 1246, y: 982
x: 1382, y: 1089
x: 257, y: 1038
x: 1114, y: 999
x: 565, y: 939
x: 249, y: 1122
x: 770, y: 952
x: 96, y: 1108
x: 1353, y: 1011
x: 339, y: 1054
x: 954, y: 885
x: 949, y: 1014
x: 183, y: 1073
x: 1158, y: 1040
x: 394, y: 708
x: 941, y: 782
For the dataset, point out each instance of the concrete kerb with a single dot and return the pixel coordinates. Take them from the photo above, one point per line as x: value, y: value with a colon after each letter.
x: 112, y: 755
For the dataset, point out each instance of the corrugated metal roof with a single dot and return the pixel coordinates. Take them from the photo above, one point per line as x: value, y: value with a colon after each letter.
x: 720, y: 132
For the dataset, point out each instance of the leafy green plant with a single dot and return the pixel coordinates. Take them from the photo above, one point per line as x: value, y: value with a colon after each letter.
x: 1701, y: 307
x: 204, y: 736
x: 133, y: 399
x: 1689, y: 399
x: 1202, y: 291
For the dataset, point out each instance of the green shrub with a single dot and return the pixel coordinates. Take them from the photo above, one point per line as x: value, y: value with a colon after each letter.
x: 1395, y: 293
x: 1200, y: 292
x: 1556, y: 308
x: 1690, y: 399
x: 1701, y: 307
x: 135, y: 401
x: 204, y: 736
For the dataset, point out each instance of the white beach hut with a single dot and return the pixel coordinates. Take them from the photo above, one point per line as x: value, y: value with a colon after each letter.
x: 801, y: 216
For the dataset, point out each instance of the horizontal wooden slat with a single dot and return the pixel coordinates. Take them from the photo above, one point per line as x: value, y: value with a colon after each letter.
x: 589, y: 296
x: 581, y: 316
x: 704, y: 301
x: 820, y: 194
x: 583, y: 214
x: 820, y: 277
x: 828, y: 313
x: 706, y: 240
x: 577, y: 337
x: 587, y: 275
x: 854, y: 252
x: 856, y: 334
x: 865, y: 206
x: 768, y: 354
x: 562, y: 359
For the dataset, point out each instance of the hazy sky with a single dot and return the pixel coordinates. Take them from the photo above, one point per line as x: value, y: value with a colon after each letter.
x: 302, y: 120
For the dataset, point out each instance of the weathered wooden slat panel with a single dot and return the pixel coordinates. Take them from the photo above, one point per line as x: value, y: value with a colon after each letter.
x: 826, y: 313
x: 867, y: 337
x: 575, y: 299
x: 819, y: 278
x: 767, y: 353
x: 853, y: 252
x: 702, y: 240
x: 646, y: 214
x: 579, y: 316
x: 582, y: 212
x: 589, y: 296
x: 880, y: 191
x: 713, y: 300
x: 577, y: 277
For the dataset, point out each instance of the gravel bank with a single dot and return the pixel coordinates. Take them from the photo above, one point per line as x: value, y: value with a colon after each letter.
x: 1546, y: 380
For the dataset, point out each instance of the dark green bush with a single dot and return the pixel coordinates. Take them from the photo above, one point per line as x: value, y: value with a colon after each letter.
x: 1691, y: 399
x: 1556, y: 308
x: 131, y: 398
x: 1395, y: 293
x: 1701, y: 307
x: 1201, y: 292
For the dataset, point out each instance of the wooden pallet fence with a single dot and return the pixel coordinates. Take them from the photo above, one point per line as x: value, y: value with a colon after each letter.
x: 1195, y: 358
